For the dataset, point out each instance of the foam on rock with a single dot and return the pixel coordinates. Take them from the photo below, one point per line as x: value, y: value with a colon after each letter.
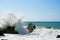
x: 20, y: 28
x: 10, y: 19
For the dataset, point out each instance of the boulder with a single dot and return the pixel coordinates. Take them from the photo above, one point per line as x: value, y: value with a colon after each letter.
x: 31, y: 27
x: 58, y: 36
x: 1, y: 32
x: 48, y: 27
x: 10, y: 29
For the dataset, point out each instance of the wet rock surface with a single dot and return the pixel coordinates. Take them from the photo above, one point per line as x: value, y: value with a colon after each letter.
x: 31, y: 27
x: 48, y: 27
x: 58, y: 36
x: 1, y: 32
x: 10, y: 29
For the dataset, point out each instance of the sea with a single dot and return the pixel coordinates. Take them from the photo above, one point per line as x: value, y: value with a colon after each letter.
x: 37, y: 34
x: 55, y: 25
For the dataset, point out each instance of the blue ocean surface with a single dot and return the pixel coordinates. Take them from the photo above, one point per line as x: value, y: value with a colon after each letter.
x: 55, y: 25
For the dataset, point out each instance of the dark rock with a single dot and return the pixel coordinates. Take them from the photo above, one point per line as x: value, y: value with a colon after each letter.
x: 31, y: 27
x: 48, y: 27
x: 1, y: 32
x: 58, y: 36
x: 10, y: 29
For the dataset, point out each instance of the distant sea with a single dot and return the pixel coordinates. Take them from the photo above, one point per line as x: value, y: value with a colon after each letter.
x: 55, y: 25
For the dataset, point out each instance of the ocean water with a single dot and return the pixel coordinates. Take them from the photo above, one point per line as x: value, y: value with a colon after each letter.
x: 55, y: 25
x: 37, y: 34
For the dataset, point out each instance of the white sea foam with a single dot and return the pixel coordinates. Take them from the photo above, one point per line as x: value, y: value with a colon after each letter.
x: 37, y: 34
x: 11, y: 20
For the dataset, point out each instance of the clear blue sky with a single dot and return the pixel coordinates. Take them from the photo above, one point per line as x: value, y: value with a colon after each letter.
x: 33, y: 10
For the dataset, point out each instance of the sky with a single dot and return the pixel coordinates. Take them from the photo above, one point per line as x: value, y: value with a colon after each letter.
x: 32, y: 10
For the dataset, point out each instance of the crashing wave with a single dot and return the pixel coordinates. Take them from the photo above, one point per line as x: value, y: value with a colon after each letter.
x: 10, y: 19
